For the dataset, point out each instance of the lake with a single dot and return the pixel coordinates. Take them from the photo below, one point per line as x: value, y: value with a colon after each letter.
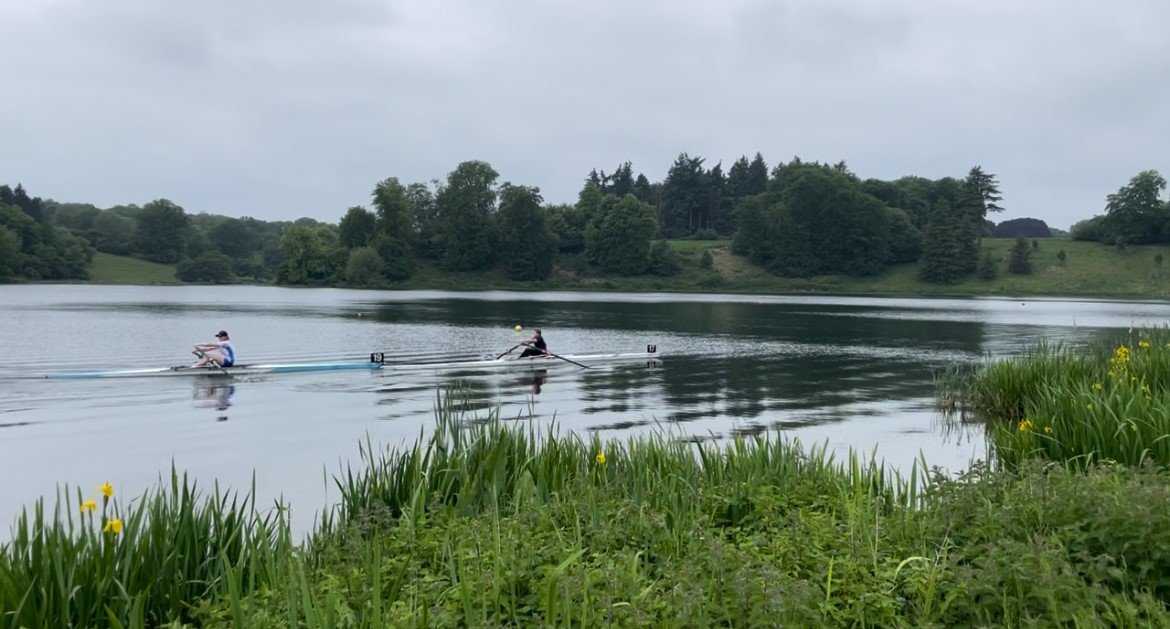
x: 849, y: 372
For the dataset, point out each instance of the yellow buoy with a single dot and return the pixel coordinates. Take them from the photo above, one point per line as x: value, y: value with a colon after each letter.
x: 518, y: 328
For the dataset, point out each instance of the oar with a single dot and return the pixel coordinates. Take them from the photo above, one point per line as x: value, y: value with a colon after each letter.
x: 509, y: 351
x: 548, y: 353
x: 199, y: 353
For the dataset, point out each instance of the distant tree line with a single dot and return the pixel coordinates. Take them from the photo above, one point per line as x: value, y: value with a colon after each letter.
x: 794, y: 219
x: 1136, y: 214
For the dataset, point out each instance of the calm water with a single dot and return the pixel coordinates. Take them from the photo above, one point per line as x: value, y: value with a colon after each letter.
x: 849, y: 372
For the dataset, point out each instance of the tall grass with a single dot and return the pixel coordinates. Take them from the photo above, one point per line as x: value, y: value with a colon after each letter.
x: 81, y: 563
x: 1106, y: 402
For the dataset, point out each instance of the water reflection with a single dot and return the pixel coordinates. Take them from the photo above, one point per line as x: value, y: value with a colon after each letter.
x: 215, y: 395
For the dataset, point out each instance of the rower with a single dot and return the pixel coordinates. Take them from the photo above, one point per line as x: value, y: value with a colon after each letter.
x: 536, y: 345
x: 220, y: 352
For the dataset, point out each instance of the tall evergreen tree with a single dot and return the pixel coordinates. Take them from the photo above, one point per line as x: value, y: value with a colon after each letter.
x: 527, y: 245
x: 685, y: 203
x: 1020, y: 257
x: 941, y: 261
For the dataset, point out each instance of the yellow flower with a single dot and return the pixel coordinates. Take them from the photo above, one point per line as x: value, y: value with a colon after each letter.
x: 1048, y: 430
x: 1132, y: 427
x: 1026, y: 425
x: 88, y: 506
x: 107, y: 490
x: 1097, y: 386
x: 1144, y: 344
x: 1089, y: 406
x: 600, y: 458
x: 1146, y: 389
x: 113, y: 526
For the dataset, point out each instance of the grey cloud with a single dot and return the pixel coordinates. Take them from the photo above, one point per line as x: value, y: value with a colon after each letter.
x: 279, y: 110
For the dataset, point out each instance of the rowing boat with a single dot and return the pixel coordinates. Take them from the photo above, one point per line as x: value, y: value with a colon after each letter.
x: 377, y: 361
x: 211, y: 370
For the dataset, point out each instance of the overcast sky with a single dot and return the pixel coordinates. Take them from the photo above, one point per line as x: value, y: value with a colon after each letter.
x: 294, y: 108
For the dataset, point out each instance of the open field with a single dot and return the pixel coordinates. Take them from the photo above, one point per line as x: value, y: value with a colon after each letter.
x: 112, y: 269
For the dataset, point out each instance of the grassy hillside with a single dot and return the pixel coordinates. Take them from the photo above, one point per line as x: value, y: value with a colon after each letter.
x: 112, y: 269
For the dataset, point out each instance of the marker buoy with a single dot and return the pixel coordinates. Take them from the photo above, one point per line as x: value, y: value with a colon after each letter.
x: 518, y: 328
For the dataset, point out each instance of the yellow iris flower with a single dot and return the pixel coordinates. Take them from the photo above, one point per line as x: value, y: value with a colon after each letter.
x: 88, y: 506
x: 114, y: 525
x: 107, y: 490
x: 600, y: 458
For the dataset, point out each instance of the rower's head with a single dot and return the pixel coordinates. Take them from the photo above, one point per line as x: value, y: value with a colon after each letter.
x: 536, y: 330
x: 223, y: 336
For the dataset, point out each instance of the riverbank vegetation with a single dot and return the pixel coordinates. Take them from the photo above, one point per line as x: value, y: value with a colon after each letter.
x: 490, y: 523
x: 1109, y: 403
x: 803, y: 224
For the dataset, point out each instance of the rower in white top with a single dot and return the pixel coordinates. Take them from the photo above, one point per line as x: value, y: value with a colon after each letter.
x: 220, y: 353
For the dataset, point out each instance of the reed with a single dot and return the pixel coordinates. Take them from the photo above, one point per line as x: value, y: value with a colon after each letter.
x: 1106, y: 402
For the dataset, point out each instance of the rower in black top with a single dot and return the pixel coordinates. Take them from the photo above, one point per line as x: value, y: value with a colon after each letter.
x: 536, y: 345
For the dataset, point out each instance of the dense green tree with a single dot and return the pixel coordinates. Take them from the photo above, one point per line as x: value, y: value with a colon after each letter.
x: 664, y: 260
x: 210, y: 266
x: 395, y: 229
x: 239, y: 238
x: 568, y: 223
x: 1135, y: 214
x: 304, y: 257
x: 356, y: 228
x: 17, y: 197
x: 428, y: 228
x: 466, y: 205
x: 1091, y: 229
x: 161, y: 232
x: 1020, y: 257
x: 746, y: 178
x: 1030, y: 227
x: 707, y: 261
x: 527, y: 245
x: 1061, y: 256
x: 905, y: 240
x: 941, y: 246
x: 833, y: 226
x: 9, y: 253
x: 111, y: 233
x: 756, y: 236
x: 685, y: 205
x: 364, y: 267
x: 622, y: 243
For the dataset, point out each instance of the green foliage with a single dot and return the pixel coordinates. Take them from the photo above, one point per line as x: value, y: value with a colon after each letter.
x: 356, y: 228
x: 664, y: 261
x: 905, y: 240
x: 1020, y: 258
x: 211, y: 266
x: 111, y: 233
x: 988, y: 269
x: 622, y: 243
x: 466, y: 206
x: 1062, y: 257
x: 428, y: 228
x: 111, y: 269
x: 364, y: 267
x: 942, y: 251
x: 1091, y: 229
x: 161, y: 232
x: 1136, y: 214
x: 706, y: 261
x: 305, y: 258
x: 827, y: 224
x: 395, y: 229
x: 527, y: 245
x: 9, y: 252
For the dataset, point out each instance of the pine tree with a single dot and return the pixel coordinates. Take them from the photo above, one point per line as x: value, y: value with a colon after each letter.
x: 941, y: 261
x: 1019, y: 260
